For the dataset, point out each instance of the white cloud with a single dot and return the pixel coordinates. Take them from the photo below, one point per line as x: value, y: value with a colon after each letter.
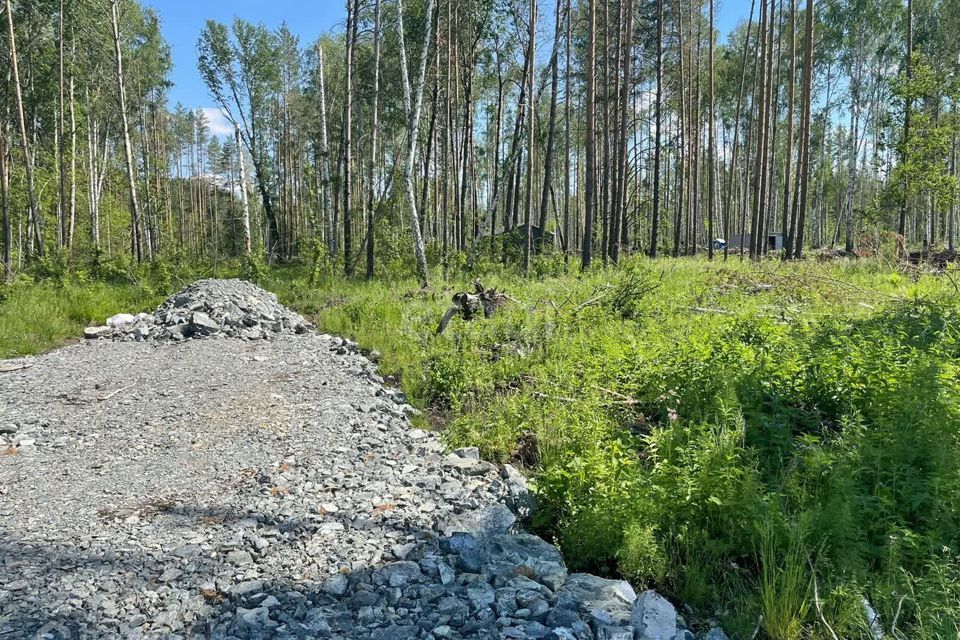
x: 219, y: 125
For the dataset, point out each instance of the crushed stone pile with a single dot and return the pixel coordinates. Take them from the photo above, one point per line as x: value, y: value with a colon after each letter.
x: 207, y: 308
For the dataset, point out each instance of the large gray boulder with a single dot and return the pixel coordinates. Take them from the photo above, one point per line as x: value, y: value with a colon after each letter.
x: 654, y: 618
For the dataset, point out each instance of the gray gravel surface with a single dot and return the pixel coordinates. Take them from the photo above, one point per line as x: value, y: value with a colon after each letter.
x: 223, y: 488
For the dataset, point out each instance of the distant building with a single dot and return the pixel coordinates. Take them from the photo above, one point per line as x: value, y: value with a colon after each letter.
x: 774, y: 242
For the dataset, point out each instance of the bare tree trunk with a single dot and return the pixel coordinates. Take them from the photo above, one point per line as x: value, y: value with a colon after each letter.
x: 352, y: 20
x: 759, y: 192
x: 618, y: 212
x: 552, y: 123
x: 566, y: 124
x: 73, y: 146
x: 905, y: 203
x: 325, y: 160
x: 373, y: 137
x: 658, y: 144
x: 413, y: 103
x: 591, y: 168
x: 805, y: 131
x: 711, y: 143
x: 62, y: 220
x: 531, y: 126
x: 247, y: 244
x: 728, y: 210
x: 34, y: 224
x: 952, y: 221
x: 5, y: 203
x: 788, y: 222
x: 127, y: 147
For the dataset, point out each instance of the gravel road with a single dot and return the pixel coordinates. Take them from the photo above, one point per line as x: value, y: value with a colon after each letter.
x: 151, y: 483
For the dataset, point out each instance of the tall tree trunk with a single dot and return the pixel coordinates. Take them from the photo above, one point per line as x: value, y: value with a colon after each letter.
x: 375, y: 124
x: 566, y: 125
x: 413, y: 103
x: 135, y: 249
x: 531, y: 129
x: 728, y: 208
x: 5, y: 203
x: 759, y: 192
x: 325, y: 160
x: 806, y: 99
x: 788, y: 221
x: 905, y: 202
x: 658, y: 143
x: 620, y: 192
x: 247, y: 243
x: 62, y: 218
x: 352, y: 20
x: 73, y: 144
x: 711, y: 143
x: 591, y: 170
x: 34, y: 224
x: 552, y: 123
x: 952, y: 221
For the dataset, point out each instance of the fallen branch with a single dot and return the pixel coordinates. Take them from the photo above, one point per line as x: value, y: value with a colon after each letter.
x: 711, y: 310
x: 15, y: 367
x: 896, y: 617
x: 624, y: 399
x: 115, y: 392
x: 816, y: 600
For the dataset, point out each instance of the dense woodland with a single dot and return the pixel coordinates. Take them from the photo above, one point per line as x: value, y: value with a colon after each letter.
x: 594, y: 128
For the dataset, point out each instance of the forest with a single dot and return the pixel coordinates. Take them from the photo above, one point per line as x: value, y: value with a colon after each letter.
x: 728, y: 358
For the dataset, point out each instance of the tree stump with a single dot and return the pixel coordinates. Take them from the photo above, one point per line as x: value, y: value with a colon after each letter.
x: 470, y: 305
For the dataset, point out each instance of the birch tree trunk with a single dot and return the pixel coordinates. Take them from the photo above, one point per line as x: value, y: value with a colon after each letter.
x: 5, y: 203
x: 413, y: 103
x: 375, y: 115
x: 247, y: 244
x: 127, y: 148
x: 352, y: 20
x: 62, y: 220
x: 531, y: 130
x: 34, y: 224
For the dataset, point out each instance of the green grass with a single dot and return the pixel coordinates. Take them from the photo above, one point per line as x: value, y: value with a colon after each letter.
x: 682, y: 420
x: 36, y: 317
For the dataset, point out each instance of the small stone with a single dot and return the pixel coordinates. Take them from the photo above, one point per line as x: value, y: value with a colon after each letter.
x: 245, y: 588
x: 396, y: 632
x: 120, y: 320
x: 93, y: 333
x: 170, y: 575
x: 400, y: 573
x: 239, y: 557
x: 336, y: 585
x: 468, y: 453
x: 201, y: 322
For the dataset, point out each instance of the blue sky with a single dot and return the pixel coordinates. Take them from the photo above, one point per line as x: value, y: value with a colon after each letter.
x: 182, y: 21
